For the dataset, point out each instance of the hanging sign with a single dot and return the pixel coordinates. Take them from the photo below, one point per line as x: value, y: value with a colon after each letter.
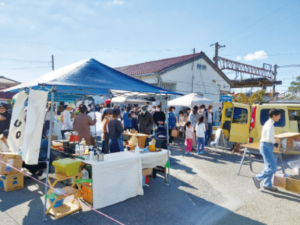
x: 225, y: 98
x: 16, y: 128
x: 34, y: 125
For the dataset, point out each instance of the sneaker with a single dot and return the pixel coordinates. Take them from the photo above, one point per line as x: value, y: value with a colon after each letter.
x: 256, y: 182
x: 202, y: 152
x: 271, y: 188
x: 185, y: 153
x: 42, y: 177
x: 191, y: 153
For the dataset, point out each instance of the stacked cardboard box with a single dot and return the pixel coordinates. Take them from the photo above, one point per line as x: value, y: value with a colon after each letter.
x: 10, y: 178
x: 290, y: 183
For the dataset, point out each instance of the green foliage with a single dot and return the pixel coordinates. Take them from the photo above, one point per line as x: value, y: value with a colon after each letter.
x: 255, y: 97
x: 295, y: 85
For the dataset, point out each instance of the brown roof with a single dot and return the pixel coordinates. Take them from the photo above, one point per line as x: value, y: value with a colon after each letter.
x: 164, y: 65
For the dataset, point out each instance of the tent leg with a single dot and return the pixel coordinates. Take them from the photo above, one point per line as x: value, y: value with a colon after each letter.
x: 167, y: 123
x: 48, y: 152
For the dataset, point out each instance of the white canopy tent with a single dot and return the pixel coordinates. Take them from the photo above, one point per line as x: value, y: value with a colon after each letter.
x: 125, y: 100
x: 190, y: 100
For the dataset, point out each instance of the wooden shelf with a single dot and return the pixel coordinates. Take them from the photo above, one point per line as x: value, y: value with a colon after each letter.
x: 68, y: 191
x: 64, y: 210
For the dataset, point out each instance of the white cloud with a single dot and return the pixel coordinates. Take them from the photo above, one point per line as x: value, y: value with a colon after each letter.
x: 2, y: 4
x: 238, y: 58
x: 115, y: 2
x: 256, y: 56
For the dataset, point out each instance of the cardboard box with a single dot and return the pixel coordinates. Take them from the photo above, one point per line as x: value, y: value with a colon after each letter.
x: 146, y: 171
x: 12, y: 181
x: 291, y: 183
x: 12, y: 159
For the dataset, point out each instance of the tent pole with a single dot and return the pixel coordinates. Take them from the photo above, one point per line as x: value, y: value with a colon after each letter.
x: 167, y: 122
x: 48, y: 152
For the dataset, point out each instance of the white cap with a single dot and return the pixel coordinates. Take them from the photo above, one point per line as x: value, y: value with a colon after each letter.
x: 71, y: 105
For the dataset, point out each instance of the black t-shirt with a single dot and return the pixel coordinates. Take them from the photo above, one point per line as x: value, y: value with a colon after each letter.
x: 115, y: 129
x: 4, y: 124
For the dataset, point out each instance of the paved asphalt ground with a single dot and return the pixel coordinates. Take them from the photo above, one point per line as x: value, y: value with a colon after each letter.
x: 203, y: 190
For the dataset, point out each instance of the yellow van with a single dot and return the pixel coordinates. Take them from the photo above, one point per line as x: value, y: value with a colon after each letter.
x: 242, y: 123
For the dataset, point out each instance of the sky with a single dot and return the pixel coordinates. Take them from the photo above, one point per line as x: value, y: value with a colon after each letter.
x: 124, y: 32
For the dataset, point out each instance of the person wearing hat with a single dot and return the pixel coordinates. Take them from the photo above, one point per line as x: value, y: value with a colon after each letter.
x: 145, y: 121
x: 3, y: 142
x: 115, y: 131
x: 82, y: 123
x: 106, y: 117
x: 5, y: 118
x: 66, y: 119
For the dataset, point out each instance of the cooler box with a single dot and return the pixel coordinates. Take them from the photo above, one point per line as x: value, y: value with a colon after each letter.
x: 67, y: 166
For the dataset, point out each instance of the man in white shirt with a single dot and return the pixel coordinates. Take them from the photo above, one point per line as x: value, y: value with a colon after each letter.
x: 67, y: 124
x: 266, y: 148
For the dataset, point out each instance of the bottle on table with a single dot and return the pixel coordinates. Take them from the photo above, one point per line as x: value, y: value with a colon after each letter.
x: 91, y: 154
x: 77, y: 151
x: 85, y: 174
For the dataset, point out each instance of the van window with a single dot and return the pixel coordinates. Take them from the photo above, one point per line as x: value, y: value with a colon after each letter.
x: 228, y: 112
x: 240, y: 115
x: 264, y: 116
x: 294, y: 117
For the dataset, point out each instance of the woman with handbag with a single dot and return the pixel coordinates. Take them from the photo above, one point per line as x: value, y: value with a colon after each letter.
x: 171, y: 122
x: 193, y: 118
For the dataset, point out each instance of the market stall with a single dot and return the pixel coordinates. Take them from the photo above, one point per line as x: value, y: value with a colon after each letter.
x: 93, y: 78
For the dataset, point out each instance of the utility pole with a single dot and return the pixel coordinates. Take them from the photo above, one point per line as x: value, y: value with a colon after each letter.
x: 217, y: 47
x: 52, y: 62
x: 275, y: 73
x: 193, y: 70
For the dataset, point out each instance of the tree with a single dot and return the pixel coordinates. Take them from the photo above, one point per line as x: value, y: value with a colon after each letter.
x: 295, y: 85
x: 255, y: 97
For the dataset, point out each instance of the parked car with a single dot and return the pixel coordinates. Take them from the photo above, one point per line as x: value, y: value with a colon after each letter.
x: 242, y: 123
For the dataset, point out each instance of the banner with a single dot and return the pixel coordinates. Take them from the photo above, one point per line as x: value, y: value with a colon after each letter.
x: 16, y: 128
x: 34, y: 125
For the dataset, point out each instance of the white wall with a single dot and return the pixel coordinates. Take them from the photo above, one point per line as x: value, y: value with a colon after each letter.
x: 203, y: 80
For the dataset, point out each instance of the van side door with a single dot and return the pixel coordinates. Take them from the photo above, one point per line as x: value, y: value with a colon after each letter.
x: 240, y: 123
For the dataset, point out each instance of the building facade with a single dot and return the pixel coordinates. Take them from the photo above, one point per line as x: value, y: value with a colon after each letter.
x: 185, y: 74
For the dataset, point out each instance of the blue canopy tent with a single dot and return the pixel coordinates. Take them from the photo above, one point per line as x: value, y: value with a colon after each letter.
x: 88, y: 77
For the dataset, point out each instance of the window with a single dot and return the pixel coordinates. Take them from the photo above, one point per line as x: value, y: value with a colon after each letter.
x: 264, y: 116
x: 294, y: 119
x: 201, y: 67
x: 228, y: 112
x: 240, y: 115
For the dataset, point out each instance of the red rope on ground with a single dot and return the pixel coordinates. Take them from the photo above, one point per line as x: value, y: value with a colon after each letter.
x: 65, y: 194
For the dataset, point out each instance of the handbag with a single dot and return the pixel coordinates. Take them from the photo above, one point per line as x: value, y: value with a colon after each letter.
x: 175, y: 133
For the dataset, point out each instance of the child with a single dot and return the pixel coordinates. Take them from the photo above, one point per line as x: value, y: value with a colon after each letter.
x: 200, y: 133
x: 188, y: 137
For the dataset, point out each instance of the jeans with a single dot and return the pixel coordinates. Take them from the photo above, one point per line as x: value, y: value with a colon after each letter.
x: 116, y: 145
x: 189, y: 143
x: 208, y: 133
x: 200, y: 141
x: 266, y: 150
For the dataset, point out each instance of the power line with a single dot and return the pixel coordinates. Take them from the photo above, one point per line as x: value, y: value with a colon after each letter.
x: 257, y: 21
x: 23, y: 60
x: 265, y: 28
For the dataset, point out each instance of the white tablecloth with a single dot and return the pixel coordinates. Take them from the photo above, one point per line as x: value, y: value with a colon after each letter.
x: 153, y: 159
x: 119, y: 176
x: 116, y: 179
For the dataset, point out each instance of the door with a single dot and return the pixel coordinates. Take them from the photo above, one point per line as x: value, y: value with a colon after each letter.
x: 226, y: 118
x: 240, y: 123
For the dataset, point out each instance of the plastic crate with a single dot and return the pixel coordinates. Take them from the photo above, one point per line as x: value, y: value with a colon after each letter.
x: 67, y: 166
x: 87, y: 192
x: 58, y: 203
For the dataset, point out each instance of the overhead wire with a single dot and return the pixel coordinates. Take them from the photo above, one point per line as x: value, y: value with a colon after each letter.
x: 258, y: 21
